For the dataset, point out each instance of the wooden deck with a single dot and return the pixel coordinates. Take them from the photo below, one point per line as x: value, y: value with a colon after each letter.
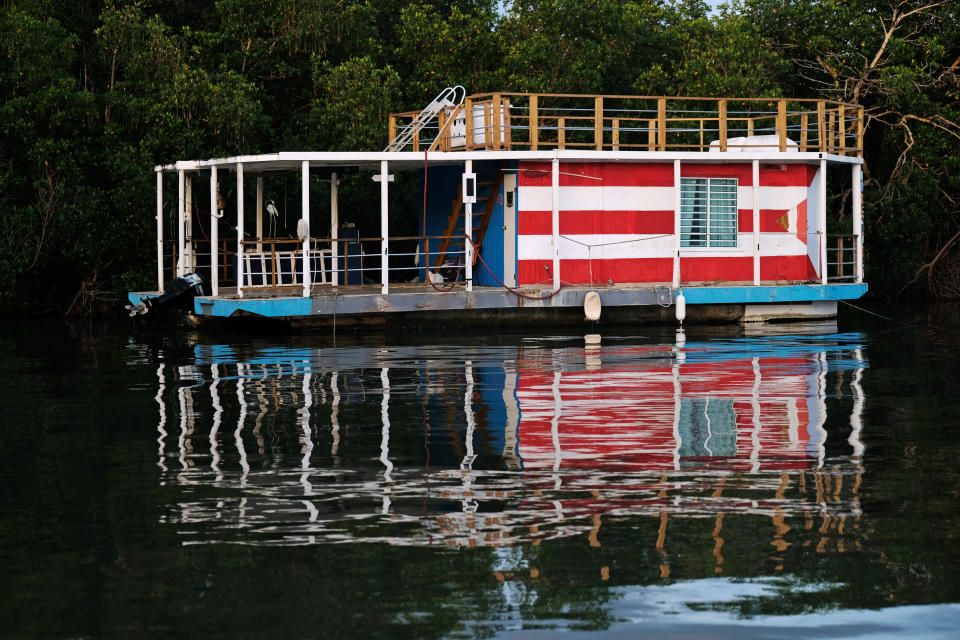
x: 420, y: 288
x: 535, y: 121
x: 325, y: 290
x: 418, y: 305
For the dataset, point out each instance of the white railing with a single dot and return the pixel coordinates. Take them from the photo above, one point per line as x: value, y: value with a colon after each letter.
x: 278, y: 262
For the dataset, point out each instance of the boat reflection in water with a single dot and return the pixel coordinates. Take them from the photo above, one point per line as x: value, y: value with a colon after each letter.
x: 493, y: 445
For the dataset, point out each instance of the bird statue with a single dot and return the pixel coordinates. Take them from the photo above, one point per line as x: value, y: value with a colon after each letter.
x: 272, y: 210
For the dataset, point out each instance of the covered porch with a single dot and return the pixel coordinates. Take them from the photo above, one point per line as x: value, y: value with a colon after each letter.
x: 245, y: 256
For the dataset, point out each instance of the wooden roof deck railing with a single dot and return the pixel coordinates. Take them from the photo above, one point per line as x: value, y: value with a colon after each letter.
x: 530, y: 121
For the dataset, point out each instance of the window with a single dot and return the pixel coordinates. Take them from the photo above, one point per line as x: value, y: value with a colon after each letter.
x: 708, y: 427
x: 708, y: 212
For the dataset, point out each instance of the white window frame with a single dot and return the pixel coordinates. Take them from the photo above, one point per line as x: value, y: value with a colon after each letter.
x: 717, y: 197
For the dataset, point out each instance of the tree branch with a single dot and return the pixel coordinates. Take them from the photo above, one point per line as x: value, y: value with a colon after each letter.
x: 928, y: 267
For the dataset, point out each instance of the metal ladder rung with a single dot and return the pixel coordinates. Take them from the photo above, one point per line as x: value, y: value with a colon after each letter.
x: 445, y: 99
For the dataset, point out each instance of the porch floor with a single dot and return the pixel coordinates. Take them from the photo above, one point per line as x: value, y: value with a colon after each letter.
x: 726, y: 301
x: 537, y: 290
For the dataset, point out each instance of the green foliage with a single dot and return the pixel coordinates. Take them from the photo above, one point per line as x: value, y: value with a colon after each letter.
x: 436, y: 50
x: 353, y: 101
x: 727, y: 57
x: 570, y: 46
x: 43, y: 180
x: 94, y: 94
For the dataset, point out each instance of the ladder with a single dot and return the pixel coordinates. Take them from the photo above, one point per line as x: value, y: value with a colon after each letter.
x: 481, y: 219
x: 446, y: 98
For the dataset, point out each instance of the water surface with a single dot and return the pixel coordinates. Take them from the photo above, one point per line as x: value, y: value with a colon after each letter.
x: 787, y: 481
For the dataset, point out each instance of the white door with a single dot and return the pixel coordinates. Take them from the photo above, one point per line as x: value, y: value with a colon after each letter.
x: 510, y: 229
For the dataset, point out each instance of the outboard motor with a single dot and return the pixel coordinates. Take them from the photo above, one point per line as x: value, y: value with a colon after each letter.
x: 178, y: 294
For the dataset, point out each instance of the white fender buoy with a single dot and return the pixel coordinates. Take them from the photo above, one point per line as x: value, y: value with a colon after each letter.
x: 591, y: 306
x: 591, y: 352
x: 681, y: 307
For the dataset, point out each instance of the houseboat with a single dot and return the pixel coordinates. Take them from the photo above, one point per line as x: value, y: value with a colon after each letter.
x: 522, y: 207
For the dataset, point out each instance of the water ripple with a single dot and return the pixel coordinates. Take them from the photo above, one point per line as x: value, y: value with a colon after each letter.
x: 496, y: 445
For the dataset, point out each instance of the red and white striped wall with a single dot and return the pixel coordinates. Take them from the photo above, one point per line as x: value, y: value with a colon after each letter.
x: 634, y: 420
x: 617, y: 223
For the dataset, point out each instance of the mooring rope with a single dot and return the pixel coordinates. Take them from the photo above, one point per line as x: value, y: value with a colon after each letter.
x: 850, y: 304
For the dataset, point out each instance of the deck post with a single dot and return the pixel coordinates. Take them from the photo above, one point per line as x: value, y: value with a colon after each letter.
x: 239, y: 230
x: 598, y: 123
x: 334, y: 230
x: 214, y: 233
x: 859, y: 153
x: 831, y: 135
x: 782, y: 125
x: 841, y: 130
x: 722, y: 117
x: 676, y: 223
x: 468, y: 110
x: 189, y: 262
x: 857, y: 215
x: 384, y: 229
x: 804, y: 124
x: 555, y: 226
x: 821, y: 125
x: 507, y: 124
x: 822, y: 222
x: 259, y: 214
x: 181, y: 225
x: 159, y: 230
x: 468, y: 230
x: 756, y: 222
x: 662, y: 125
x: 440, y: 144
x: 305, y: 219
x: 496, y: 114
x: 534, y: 123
